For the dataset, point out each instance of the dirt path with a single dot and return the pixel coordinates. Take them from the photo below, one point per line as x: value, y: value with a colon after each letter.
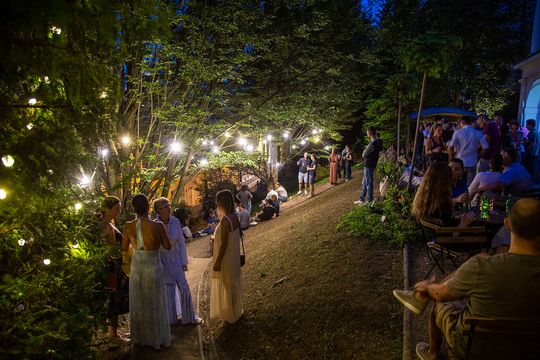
x: 312, y: 292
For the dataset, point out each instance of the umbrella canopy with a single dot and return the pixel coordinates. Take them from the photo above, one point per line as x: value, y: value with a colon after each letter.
x: 444, y: 111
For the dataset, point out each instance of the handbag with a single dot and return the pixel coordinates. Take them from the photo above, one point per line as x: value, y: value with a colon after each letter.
x: 243, y: 254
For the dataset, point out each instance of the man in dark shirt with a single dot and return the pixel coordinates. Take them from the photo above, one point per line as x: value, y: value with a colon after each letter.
x: 303, y: 163
x: 371, y: 157
x: 493, y: 137
x: 268, y: 211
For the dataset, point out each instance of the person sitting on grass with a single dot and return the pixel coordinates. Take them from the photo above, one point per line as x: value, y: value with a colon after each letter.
x: 271, y: 192
x: 275, y: 203
x: 501, y: 286
x: 243, y: 216
x: 267, y: 212
x: 283, y: 196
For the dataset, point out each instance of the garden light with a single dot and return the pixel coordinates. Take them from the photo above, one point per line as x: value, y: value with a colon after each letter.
x: 56, y: 30
x: 8, y: 160
x: 103, y: 95
x: 47, y: 261
x: 126, y: 140
x: 75, y: 246
x: 3, y: 194
x: 176, y: 147
x: 249, y: 148
x: 46, y: 80
x: 32, y: 101
x: 21, y: 242
x: 29, y: 126
x: 78, y: 206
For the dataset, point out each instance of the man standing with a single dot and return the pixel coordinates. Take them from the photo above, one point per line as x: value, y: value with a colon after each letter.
x: 302, y: 173
x: 464, y: 145
x: 501, y: 286
x: 532, y: 150
x: 371, y: 157
x: 493, y: 137
x: 346, y: 159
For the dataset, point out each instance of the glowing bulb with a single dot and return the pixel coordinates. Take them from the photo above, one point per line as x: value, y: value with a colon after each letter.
x: 269, y: 137
x: 286, y: 135
x: 303, y: 142
x: 294, y: 146
x: 46, y: 80
x: 47, y: 261
x: 84, y: 180
x: 242, y: 141
x: 32, y: 101
x: 204, y: 162
x: 327, y: 147
x: 227, y: 134
x: 56, y: 30
x: 176, y: 147
x: 215, y: 150
x: 8, y: 160
x: 104, y: 152
x: 29, y: 126
x: 249, y: 148
x: 314, y: 131
x: 205, y: 142
x: 3, y: 194
x: 264, y: 141
x: 320, y: 130
x: 212, y: 142
x: 78, y: 206
x: 103, y: 95
x: 278, y: 164
x: 125, y: 140
x: 21, y: 242
x: 75, y: 246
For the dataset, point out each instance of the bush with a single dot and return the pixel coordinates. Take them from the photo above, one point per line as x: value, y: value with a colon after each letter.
x: 389, y: 220
x: 183, y: 213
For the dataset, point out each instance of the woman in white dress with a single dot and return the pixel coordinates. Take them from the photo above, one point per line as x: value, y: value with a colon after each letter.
x: 226, y: 292
x: 147, y: 302
x: 174, y: 263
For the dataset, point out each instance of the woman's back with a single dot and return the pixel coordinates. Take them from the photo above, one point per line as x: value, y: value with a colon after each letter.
x: 153, y: 234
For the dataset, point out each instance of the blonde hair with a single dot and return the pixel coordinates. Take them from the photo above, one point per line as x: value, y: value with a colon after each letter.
x: 159, y: 202
x: 434, y: 195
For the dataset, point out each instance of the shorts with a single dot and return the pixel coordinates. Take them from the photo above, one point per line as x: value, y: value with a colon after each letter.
x: 447, y: 315
x: 302, y: 178
x: 311, y: 179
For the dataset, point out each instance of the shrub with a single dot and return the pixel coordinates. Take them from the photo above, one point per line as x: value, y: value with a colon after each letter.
x: 389, y: 220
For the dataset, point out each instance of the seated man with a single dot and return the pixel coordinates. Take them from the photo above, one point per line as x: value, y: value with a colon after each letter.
x: 282, y: 193
x: 515, y: 178
x: 501, y: 286
x: 267, y: 212
x: 271, y: 192
x: 243, y: 216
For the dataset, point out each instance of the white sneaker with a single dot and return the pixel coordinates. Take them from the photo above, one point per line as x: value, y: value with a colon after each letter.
x: 360, y: 202
x: 305, y: 192
x: 298, y: 193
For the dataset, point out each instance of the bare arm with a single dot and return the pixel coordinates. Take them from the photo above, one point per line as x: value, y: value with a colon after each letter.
x: 126, y: 239
x: 438, y: 292
x: 164, y: 238
x: 224, y: 240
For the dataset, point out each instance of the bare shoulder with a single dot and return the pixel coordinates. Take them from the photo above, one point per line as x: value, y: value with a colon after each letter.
x: 225, y: 224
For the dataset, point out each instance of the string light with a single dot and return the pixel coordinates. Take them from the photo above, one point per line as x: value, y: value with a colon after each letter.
x: 242, y: 141
x: 205, y: 142
x: 126, y: 140
x: 227, y: 134
x: 175, y: 147
x: 204, y: 162
x: 103, y: 95
x: 46, y: 80
x: 3, y: 194
x: 278, y: 164
x: 215, y: 150
x: 75, y: 246
x: 303, y: 142
x: 8, y: 160
x: 294, y: 146
x: 269, y: 137
x: 29, y: 126
x: 84, y: 180
x: 104, y: 152
x: 264, y: 141
x: 56, y: 30
x: 320, y: 130
x: 249, y: 148
x: 47, y: 261
x: 212, y: 142
x: 327, y: 147
x: 78, y: 206
x: 286, y: 135
x: 314, y: 131
x: 21, y: 242
x: 32, y: 101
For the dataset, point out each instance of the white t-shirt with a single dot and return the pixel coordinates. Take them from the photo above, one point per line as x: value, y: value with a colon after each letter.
x: 270, y: 193
x: 465, y: 142
x: 484, y: 178
x: 282, y: 192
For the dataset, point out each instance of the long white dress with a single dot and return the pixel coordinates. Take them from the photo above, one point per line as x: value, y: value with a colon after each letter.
x: 226, y: 291
x: 147, y: 302
x: 179, y: 301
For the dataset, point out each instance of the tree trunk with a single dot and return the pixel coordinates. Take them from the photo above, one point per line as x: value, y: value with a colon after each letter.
x: 176, y: 197
x: 411, y: 172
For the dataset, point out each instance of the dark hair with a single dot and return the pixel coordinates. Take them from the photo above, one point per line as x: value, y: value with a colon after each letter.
x: 457, y: 160
x: 495, y: 163
x: 514, y: 123
x: 467, y: 120
x: 531, y: 122
x: 140, y: 204
x: 244, y: 187
x: 511, y: 153
x: 523, y: 217
x: 109, y: 202
x: 372, y: 130
x: 225, y: 200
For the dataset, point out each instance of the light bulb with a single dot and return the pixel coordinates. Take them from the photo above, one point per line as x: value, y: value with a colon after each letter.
x: 269, y: 137
x: 104, y: 152
x: 212, y: 142
x: 227, y: 134
x: 84, y: 180
x: 215, y: 150
x: 249, y: 148
x: 46, y: 80
x: 29, y: 126
x: 314, y: 131
x: 303, y: 142
x: 286, y: 135
x: 242, y: 141
x: 21, y: 242
x: 125, y: 140
x: 103, y: 95
x: 294, y: 146
x: 78, y: 206
x: 278, y: 164
x: 327, y: 147
x: 46, y: 261
x: 204, y: 162
x: 8, y: 160
x: 205, y: 142
x: 176, y: 147
x: 56, y: 30
x: 32, y: 101
x: 264, y: 141
x: 75, y: 246
x: 3, y: 194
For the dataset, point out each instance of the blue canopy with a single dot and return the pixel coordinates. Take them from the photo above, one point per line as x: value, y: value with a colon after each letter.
x: 443, y: 111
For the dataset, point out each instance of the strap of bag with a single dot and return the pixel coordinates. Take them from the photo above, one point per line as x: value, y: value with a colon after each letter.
x: 241, y: 234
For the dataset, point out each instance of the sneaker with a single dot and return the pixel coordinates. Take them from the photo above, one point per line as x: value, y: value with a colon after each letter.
x: 305, y: 192
x: 407, y: 298
x: 360, y: 202
x: 422, y: 350
x: 298, y: 193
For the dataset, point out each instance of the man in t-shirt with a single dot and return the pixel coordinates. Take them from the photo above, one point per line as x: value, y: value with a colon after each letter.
x: 493, y: 137
x: 464, y: 145
x: 267, y: 212
x: 501, y: 286
x: 303, y: 173
x: 371, y: 157
x: 282, y: 193
x: 532, y: 150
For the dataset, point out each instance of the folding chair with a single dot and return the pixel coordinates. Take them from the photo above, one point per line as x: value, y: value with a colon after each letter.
x: 494, y: 339
x: 445, y: 244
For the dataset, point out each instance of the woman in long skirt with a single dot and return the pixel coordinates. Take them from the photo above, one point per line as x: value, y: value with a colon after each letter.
x: 147, y: 302
x: 226, y: 293
x: 334, y: 160
x: 174, y: 263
